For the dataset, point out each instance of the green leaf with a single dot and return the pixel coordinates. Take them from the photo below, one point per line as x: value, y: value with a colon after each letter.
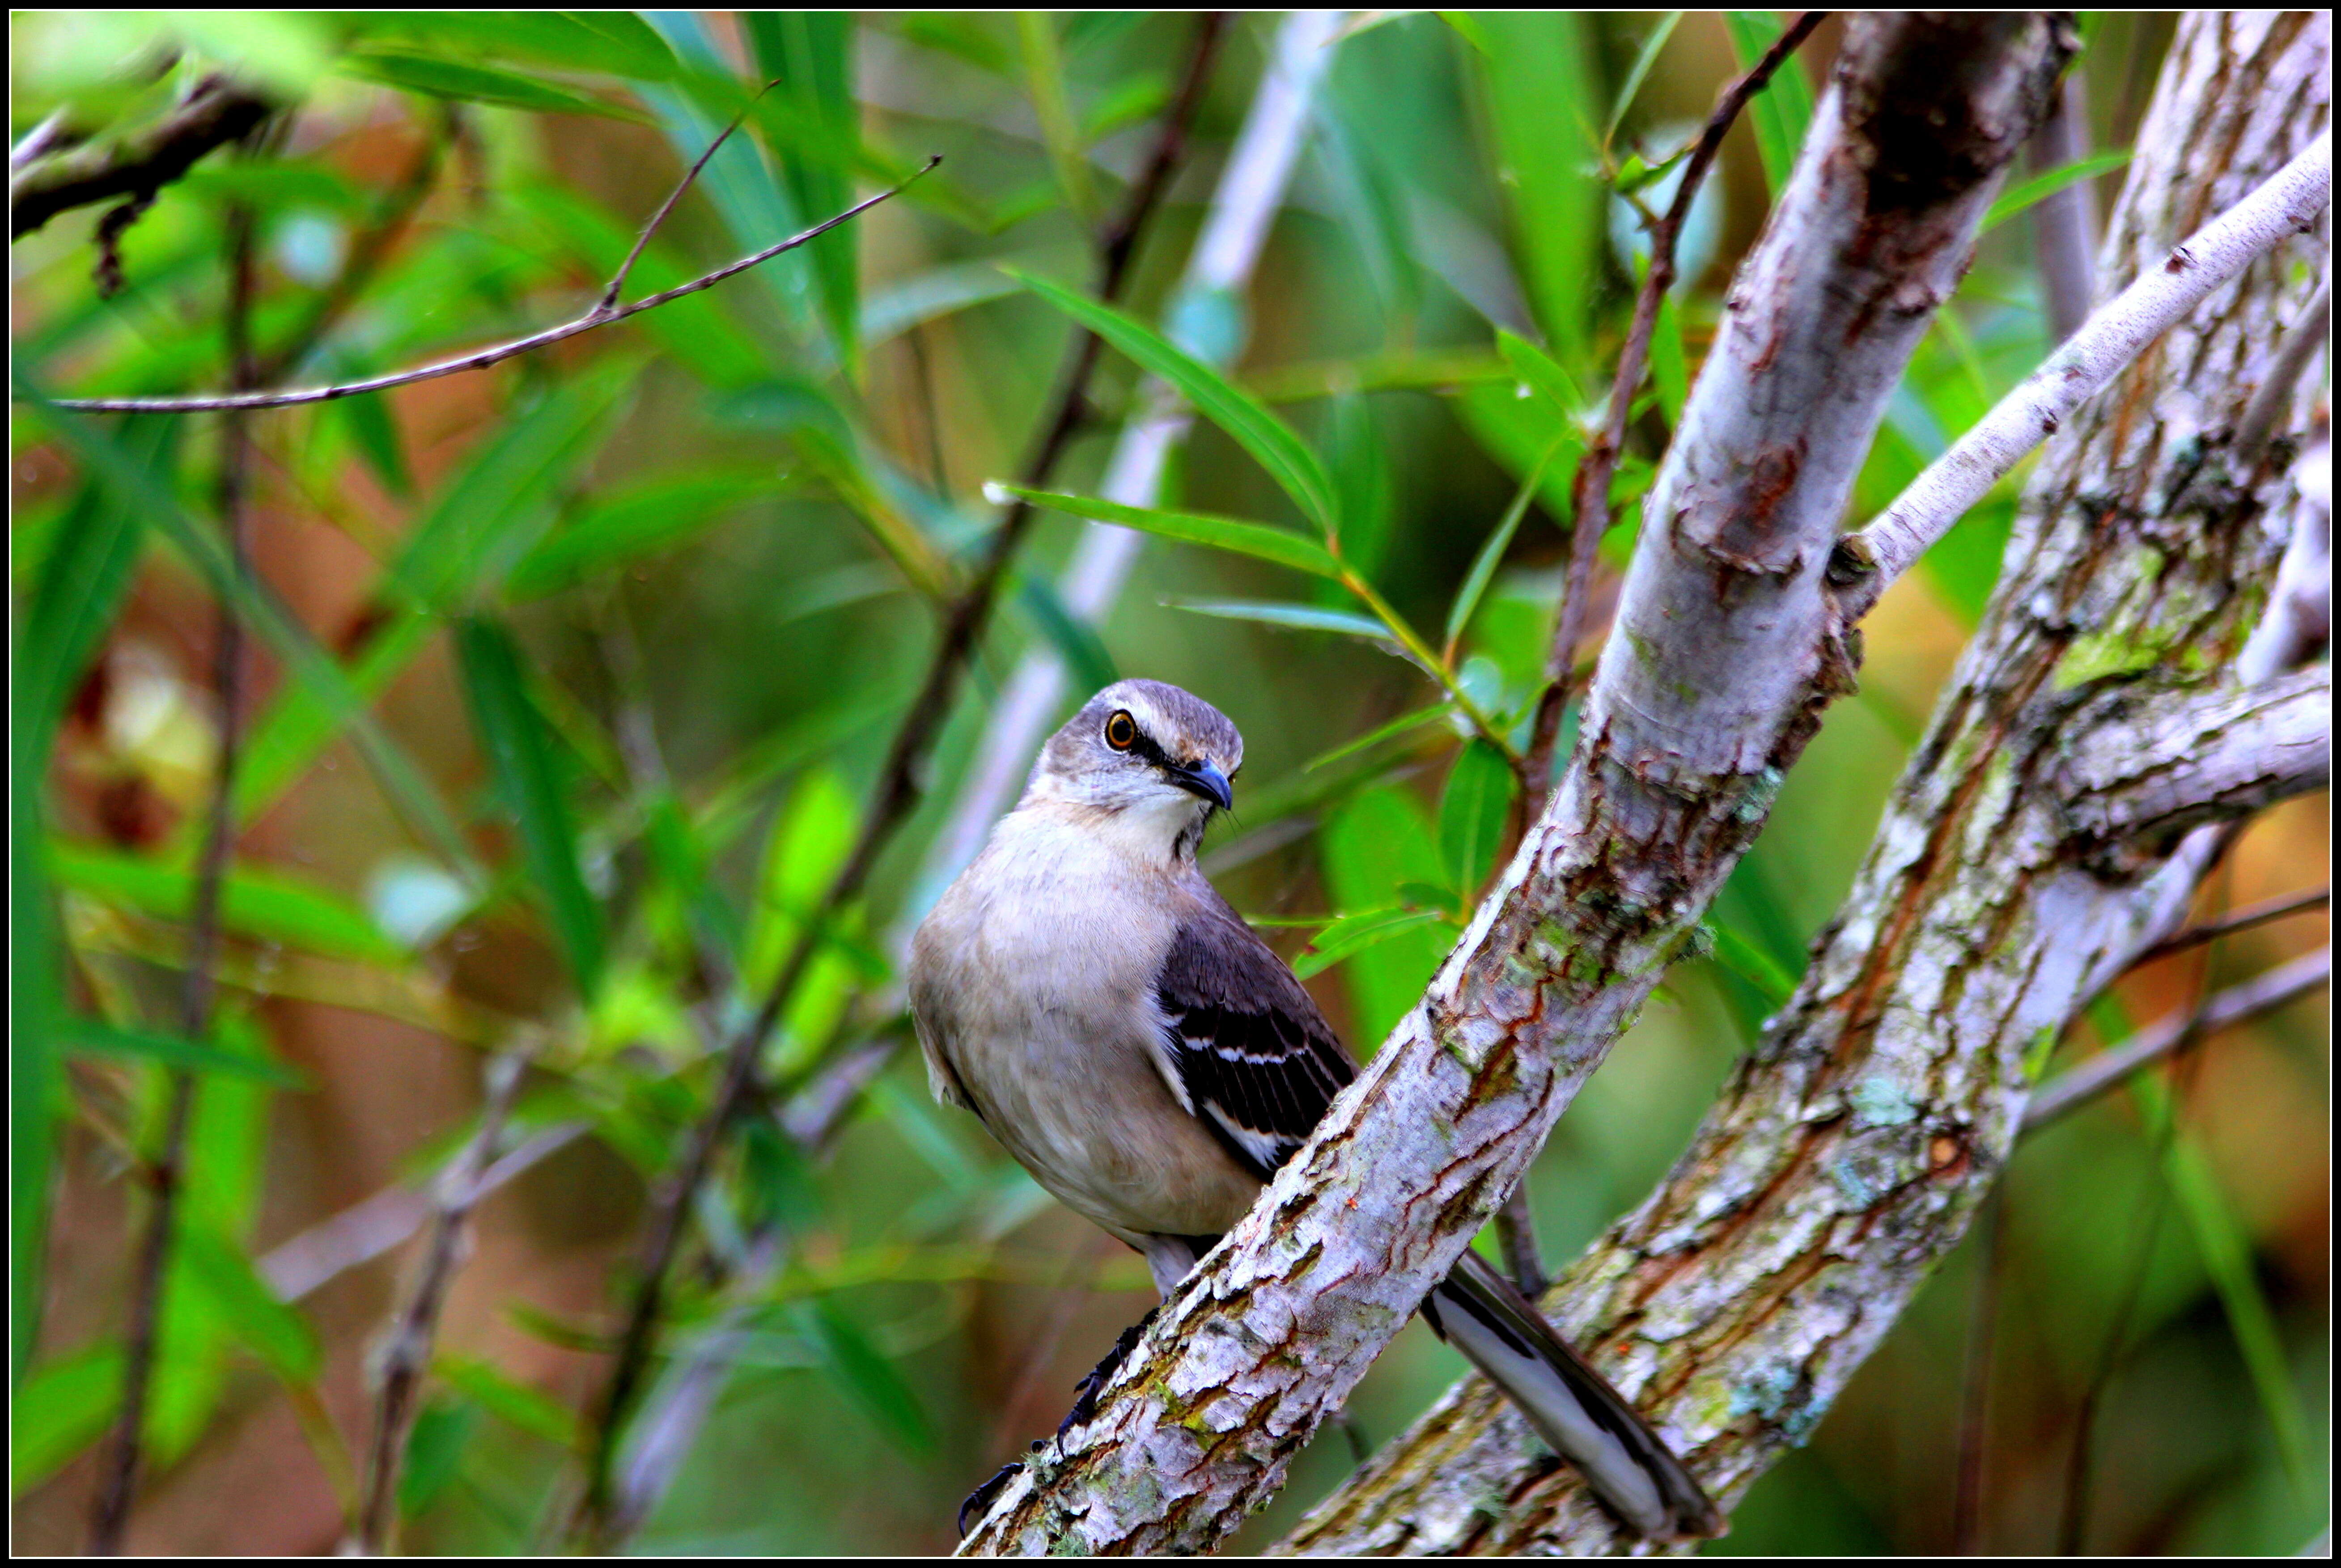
x: 79, y: 589
x: 1353, y: 934
x: 1044, y: 81
x: 616, y: 42
x: 1541, y: 371
x: 100, y: 1038
x: 810, y: 54
x: 520, y: 750
x: 1377, y: 840
x: 279, y: 1335
x: 863, y: 1371
x: 622, y: 528
x: 1670, y: 367
x: 268, y: 905
x: 1749, y: 960
x: 62, y: 1407
x: 442, y: 78
x: 1272, y: 443
x: 1277, y: 612
x: 530, y: 1409
x: 1784, y: 109
x: 1491, y: 552
x: 434, y: 1450
x: 1238, y: 538
x: 1075, y: 639
x: 2040, y: 187
x: 1478, y: 796
x: 1646, y: 57
x: 1540, y: 70
x: 1402, y: 724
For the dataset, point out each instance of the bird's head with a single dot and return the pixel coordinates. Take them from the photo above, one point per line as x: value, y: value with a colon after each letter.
x: 1154, y: 757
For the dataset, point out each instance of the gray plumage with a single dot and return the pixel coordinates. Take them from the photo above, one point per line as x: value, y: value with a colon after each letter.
x: 1119, y: 1028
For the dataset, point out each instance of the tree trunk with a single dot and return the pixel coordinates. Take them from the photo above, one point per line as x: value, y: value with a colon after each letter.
x: 1846, y: 1157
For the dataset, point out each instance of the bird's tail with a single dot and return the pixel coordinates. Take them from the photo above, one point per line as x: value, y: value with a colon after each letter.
x: 1484, y: 1316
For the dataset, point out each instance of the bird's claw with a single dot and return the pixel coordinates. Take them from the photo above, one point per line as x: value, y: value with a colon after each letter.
x: 982, y: 1498
x: 1093, y: 1381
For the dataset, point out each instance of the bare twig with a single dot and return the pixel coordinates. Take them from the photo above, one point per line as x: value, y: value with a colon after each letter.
x: 303, y: 1263
x: 609, y: 301
x: 899, y: 788
x: 480, y: 359
x: 2235, y: 1005
x: 2310, y: 333
x: 2236, y: 921
x: 1975, y: 1400
x: 1589, y: 492
x: 118, y: 1485
x: 2063, y: 226
x: 217, y: 113
x: 406, y: 1353
x: 2287, y: 205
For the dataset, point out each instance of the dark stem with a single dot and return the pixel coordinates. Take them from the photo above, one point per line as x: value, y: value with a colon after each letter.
x: 1975, y: 1404
x: 216, y: 114
x: 407, y: 1354
x: 1589, y: 491
x: 2064, y: 228
x: 118, y: 1470
x: 1515, y: 1231
x: 2242, y: 919
x: 899, y: 788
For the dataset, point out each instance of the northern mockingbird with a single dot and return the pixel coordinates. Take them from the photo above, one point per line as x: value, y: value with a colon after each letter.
x: 1111, y: 1020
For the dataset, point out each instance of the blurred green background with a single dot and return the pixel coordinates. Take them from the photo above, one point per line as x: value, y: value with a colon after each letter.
x: 714, y: 538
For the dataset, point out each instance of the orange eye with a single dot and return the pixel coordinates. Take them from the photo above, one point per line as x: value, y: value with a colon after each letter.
x: 1121, y: 731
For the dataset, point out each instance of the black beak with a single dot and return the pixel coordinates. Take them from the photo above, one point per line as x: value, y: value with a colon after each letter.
x: 1205, y: 778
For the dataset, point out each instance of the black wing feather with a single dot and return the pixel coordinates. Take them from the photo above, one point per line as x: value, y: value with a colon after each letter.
x: 1257, y: 1060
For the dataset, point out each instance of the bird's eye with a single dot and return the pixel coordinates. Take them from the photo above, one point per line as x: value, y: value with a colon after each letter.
x: 1121, y: 731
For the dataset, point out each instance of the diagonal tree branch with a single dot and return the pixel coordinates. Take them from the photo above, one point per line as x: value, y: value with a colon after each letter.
x: 1724, y: 654
x: 1847, y: 1153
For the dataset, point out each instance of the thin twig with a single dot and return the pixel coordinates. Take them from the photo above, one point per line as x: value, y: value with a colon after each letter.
x: 217, y: 113
x: 1589, y: 492
x: 118, y: 1485
x: 609, y: 300
x: 302, y: 1265
x: 2301, y: 344
x: 480, y: 359
x: 2235, y: 1005
x: 2287, y: 204
x: 2236, y: 921
x: 898, y: 789
x: 406, y: 1354
x: 1975, y: 1402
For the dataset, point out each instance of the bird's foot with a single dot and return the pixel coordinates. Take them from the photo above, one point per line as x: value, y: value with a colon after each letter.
x: 982, y: 1498
x: 1093, y: 1385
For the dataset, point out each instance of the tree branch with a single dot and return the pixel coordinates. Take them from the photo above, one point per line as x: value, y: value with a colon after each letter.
x: 1705, y: 693
x: 217, y: 113
x: 2237, y: 921
x: 1589, y: 491
x: 2235, y: 1005
x: 406, y: 1353
x: 1849, y: 1149
x: 118, y: 1485
x: 2288, y: 204
x: 898, y: 791
x: 2152, y: 765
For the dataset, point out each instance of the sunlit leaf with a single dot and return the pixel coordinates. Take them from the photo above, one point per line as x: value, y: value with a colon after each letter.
x: 1354, y: 934
x: 2040, y: 187
x: 1471, y: 813
x: 863, y: 1371
x: 1238, y: 537
x: 1783, y: 110
x: 1299, y: 617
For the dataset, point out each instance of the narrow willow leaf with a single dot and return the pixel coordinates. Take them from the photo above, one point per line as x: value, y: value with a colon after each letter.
x: 1403, y: 724
x: 2042, y: 186
x: 278, y: 1333
x: 1541, y: 69
x: 1471, y: 812
x: 1670, y: 366
x: 1353, y: 934
x: 863, y: 1371
x: 1491, y: 553
x: 103, y: 1040
x: 1784, y: 108
x: 520, y: 750
x: 269, y: 906
x: 1075, y: 639
x: 474, y: 84
x: 1238, y: 537
x: 1748, y: 959
x: 620, y: 529
x: 1272, y: 443
x: 531, y: 1410
x: 1643, y: 61
x: 1541, y: 371
x: 810, y: 56
x: 1277, y: 612
x: 60, y: 1409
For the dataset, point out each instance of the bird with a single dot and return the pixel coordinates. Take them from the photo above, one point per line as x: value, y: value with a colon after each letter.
x: 1109, y: 1017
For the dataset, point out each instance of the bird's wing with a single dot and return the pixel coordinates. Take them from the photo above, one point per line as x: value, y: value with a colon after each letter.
x: 1243, y: 1045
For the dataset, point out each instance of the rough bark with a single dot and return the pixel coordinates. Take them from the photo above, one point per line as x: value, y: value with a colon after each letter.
x: 1846, y: 1155
x: 1725, y: 652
